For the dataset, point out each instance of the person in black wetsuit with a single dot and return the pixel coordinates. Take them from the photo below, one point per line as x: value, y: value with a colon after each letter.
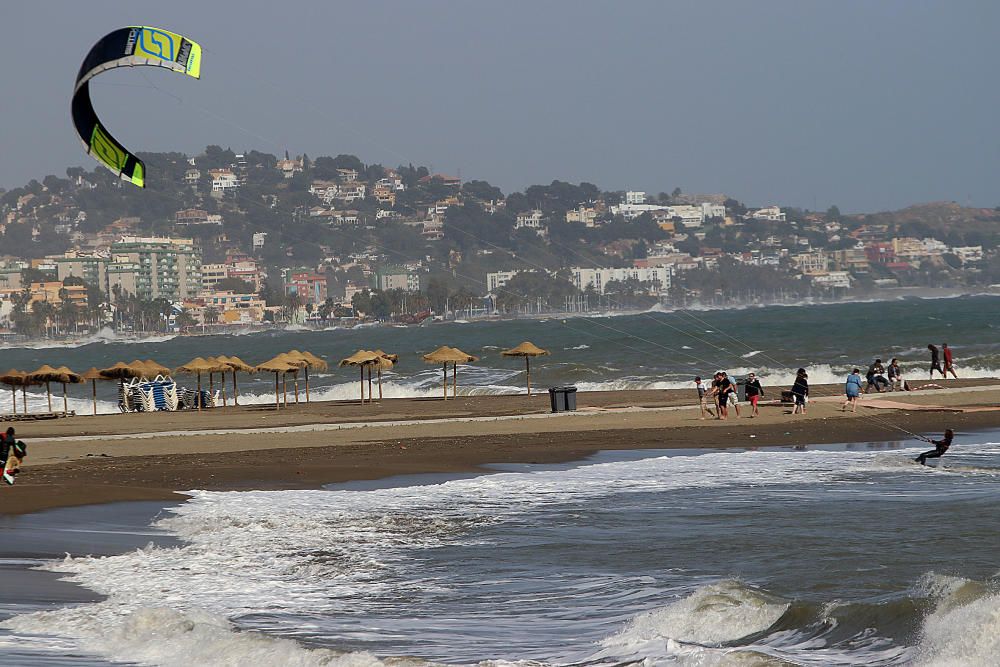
x: 800, y: 391
x: 940, y: 447
x: 935, y: 361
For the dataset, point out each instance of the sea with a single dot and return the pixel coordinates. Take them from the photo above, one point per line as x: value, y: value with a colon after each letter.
x: 650, y: 350
x: 805, y: 555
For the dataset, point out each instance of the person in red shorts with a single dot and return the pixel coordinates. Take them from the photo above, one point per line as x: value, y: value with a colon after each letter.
x: 754, y: 393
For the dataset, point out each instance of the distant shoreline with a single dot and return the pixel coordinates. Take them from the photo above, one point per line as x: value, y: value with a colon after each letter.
x: 880, y: 295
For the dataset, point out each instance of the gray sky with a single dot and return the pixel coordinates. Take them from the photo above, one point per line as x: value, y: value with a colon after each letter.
x: 868, y: 105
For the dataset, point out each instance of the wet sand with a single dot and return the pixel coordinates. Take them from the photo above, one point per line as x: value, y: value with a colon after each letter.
x: 154, y: 456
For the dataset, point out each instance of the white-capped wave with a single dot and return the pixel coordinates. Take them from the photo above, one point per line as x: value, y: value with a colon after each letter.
x: 964, y: 628
x: 724, y: 611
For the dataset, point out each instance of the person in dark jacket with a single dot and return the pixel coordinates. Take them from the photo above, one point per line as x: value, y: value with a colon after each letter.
x: 940, y: 447
x: 754, y: 392
x: 12, y: 453
x: 800, y: 391
x: 935, y: 361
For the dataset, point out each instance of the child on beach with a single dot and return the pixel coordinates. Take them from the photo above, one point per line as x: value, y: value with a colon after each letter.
x: 800, y: 391
x: 852, y: 388
x: 754, y: 392
x: 702, y: 397
x: 940, y: 447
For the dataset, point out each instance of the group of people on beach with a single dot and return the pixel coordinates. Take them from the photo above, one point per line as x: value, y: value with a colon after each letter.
x: 722, y: 394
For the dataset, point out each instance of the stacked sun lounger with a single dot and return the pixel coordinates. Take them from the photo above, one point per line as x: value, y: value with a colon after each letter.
x: 148, y: 395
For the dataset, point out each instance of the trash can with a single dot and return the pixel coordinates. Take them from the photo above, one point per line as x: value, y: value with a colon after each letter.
x: 741, y: 389
x: 562, y: 399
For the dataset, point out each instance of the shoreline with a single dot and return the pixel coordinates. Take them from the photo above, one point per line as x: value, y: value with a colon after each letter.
x: 305, y: 448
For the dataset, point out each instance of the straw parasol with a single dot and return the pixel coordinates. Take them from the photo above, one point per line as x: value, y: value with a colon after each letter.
x: 362, y: 358
x: 298, y: 364
x: 45, y: 374
x: 120, y: 371
x: 93, y: 375
x: 236, y: 364
x: 68, y: 377
x: 311, y: 361
x: 197, y: 366
x: 277, y: 365
x: 527, y: 350
x: 385, y: 362
x: 155, y: 368
x: 221, y: 365
x: 15, y: 379
x: 449, y: 355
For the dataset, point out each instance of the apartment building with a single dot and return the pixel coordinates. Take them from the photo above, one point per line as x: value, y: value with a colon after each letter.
x: 168, y: 268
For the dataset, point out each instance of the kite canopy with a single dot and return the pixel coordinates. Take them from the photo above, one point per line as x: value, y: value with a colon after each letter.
x: 126, y: 47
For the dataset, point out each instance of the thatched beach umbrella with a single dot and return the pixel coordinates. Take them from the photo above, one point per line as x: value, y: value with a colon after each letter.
x: 527, y: 350
x: 310, y: 361
x: 68, y: 377
x: 449, y: 355
x: 155, y: 368
x: 219, y: 366
x: 93, y: 375
x: 385, y: 362
x: 197, y: 366
x: 45, y: 374
x: 276, y: 366
x: 15, y: 379
x: 120, y: 371
x: 297, y: 364
x: 236, y: 364
x: 361, y: 358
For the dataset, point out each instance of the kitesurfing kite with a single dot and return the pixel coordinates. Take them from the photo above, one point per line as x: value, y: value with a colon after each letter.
x: 126, y: 47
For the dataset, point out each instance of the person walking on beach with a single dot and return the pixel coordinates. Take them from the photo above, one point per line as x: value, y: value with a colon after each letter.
x: 852, y: 389
x: 12, y: 452
x: 935, y: 361
x: 702, y: 397
x: 949, y: 362
x: 734, y: 396
x: 723, y: 389
x: 940, y: 447
x: 754, y: 392
x: 800, y: 391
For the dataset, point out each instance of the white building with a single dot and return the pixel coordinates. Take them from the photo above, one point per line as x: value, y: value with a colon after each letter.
x: 223, y: 180
x: 710, y: 210
x: 833, y: 279
x: 772, y: 213
x: 658, y: 276
x: 258, y: 240
x: 971, y: 253
x: 531, y: 219
x: 635, y: 197
x: 499, y: 279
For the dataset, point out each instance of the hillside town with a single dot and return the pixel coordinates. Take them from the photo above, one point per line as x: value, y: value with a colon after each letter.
x: 227, y: 240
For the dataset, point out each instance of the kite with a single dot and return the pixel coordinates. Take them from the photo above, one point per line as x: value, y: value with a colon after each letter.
x: 126, y: 47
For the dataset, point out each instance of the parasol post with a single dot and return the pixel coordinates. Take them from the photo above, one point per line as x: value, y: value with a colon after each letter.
x: 307, y: 384
x: 284, y: 390
x: 236, y: 391
x: 370, y: 399
x: 454, y: 379
x: 65, y: 402
x: 24, y: 398
x: 527, y: 366
x: 362, y: 384
x: 225, y: 402
x: 94, y: 383
x: 199, y: 401
x: 48, y: 392
x: 13, y: 395
x: 295, y: 381
x: 380, y: 382
x: 446, y: 380
x: 277, y: 401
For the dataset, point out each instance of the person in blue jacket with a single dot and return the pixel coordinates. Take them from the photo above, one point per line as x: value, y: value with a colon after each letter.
x: 852, y: 389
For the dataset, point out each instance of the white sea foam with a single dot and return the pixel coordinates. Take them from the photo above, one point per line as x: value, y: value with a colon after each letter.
x: 724, y: 611
x: 964, y: 628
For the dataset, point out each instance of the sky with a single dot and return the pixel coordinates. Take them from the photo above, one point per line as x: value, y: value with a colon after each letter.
x: 867, y: 105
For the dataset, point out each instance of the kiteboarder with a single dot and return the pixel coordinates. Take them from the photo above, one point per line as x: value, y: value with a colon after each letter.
x: 12, y: 452
x: 940, y: 447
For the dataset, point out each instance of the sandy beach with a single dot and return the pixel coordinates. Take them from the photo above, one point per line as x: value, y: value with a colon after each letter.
x: 86, y: 460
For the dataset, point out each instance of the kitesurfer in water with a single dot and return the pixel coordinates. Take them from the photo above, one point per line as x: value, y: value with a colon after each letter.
x: 940, y: 447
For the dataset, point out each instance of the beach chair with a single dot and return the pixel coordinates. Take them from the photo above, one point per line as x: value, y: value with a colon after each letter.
x: 171, y: 395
